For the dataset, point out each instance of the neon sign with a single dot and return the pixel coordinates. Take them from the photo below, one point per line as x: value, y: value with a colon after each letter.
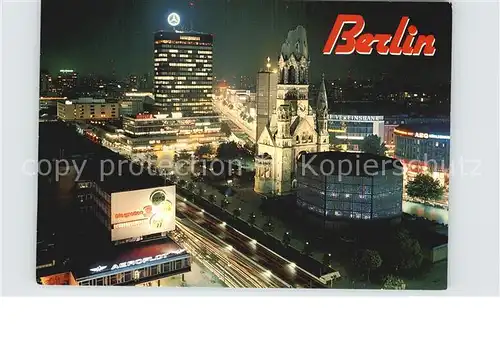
x: 145, y: 260
x: 402, y: 132
x: 98, y: 269
x: 190, y: 38
x: 174, y: 19
x: 422, y: 135
x: 435, y: 136
x: 343, y: 41
x: 359, y: 118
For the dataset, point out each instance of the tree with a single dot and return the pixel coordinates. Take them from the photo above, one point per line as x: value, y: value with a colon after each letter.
x: 224, y: 128
x: 410, y: 252
x: 211, y: 198
x: 182, y: 183
x: 250, y: 119
x: 367, y: 261
x: 372, y: 144
x: 224, y: 202
x: 236, y: 212
x: 393, y: 283
x: 424, y: 187
x: 183, y: 155
x: 228, y: 151
x: 203, y: 151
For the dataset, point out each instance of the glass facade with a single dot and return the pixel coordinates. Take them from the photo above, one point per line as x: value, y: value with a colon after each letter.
x: 183, y: 74
x: 351, y: 197
x: 152, y: 133
x: 360, y: 129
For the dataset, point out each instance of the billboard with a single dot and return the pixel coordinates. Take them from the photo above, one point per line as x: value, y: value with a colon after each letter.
x: 142, y: 212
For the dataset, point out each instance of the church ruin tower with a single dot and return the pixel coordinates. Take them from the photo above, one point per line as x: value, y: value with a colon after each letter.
x: 293, y: 79
x: 289, y: 127
x: 284, y: 151
x: 322, y: 118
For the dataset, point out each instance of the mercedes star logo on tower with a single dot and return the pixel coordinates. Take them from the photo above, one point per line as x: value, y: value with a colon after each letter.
x: 173, y: 19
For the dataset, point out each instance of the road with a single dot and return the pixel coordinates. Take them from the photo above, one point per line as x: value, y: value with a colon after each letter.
x: 229, y: 265
x: 278, y: 266
x: 233, y: 116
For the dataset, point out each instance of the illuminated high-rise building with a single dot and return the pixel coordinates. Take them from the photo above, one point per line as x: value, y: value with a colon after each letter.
x: 133, y: 82
x: 183, y: 74
x: 66, y: 81
x: 267, y: 82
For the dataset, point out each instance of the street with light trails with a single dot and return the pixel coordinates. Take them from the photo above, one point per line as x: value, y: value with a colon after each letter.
x: 233, y: 268
x: 232, y: 115
x: 276, y: 265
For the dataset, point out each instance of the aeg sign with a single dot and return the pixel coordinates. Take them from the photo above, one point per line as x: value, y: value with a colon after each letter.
x: 354, y: 40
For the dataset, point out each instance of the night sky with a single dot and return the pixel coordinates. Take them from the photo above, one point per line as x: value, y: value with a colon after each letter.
x: 97, y: 36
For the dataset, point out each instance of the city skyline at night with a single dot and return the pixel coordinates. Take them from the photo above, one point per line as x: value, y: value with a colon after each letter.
x: 199, y: 131
x: 116, y: 37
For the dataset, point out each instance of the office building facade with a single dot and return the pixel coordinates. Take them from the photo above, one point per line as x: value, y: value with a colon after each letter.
x: 424, y: 148
x: 148, y: 132
x: 87, y: 109
x: 350, y: 130
x: 329, y: 186
x: 66, y: 82
x: 183, y: 74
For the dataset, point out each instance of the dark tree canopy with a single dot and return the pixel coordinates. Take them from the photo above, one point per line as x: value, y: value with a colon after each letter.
x: 424, y: 187
x: 372, y: 144
x: 231, y: 151
x: 203, y: 151
x: 224, y: 128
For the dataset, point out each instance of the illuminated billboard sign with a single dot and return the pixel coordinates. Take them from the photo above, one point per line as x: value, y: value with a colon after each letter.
x: 421, y: 135
x: 142, y: 212
x: 355, y: 118
x: 403, y: 132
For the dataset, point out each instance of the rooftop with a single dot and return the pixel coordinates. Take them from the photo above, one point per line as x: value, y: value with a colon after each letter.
x: 123, y: 175
x: 430, y: 128
x: 59, y: 140
x: 431, y: 239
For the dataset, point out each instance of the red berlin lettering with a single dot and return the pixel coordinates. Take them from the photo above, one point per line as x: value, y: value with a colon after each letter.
x: 386, y: 44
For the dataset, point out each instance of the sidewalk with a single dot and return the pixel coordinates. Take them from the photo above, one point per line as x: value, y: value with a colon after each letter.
x: 199, y: 277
